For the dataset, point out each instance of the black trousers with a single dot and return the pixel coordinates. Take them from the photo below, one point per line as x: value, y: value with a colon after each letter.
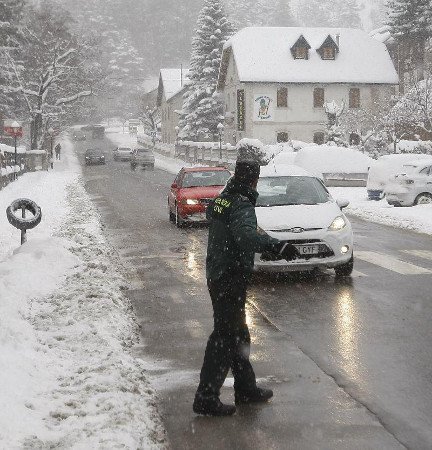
x: 228, y: 347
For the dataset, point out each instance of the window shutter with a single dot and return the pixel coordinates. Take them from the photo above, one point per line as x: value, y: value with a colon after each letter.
x: 282, y: 97
x: 318, y: 97
x: 354, y: 98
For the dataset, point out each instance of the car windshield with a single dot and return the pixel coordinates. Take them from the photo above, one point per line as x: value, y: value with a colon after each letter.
x: 206, y: 178
x: 95, y: 151
x: 291, y: 190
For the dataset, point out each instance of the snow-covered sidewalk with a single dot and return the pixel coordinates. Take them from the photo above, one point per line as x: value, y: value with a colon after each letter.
x: 416, y: 218
x: 67, y: 379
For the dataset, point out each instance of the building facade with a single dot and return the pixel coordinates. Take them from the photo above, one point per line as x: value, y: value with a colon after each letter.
x: 276, y: 82
x: 170, y: 101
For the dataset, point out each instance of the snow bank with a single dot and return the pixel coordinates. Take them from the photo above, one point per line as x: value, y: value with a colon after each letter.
x: 67, y: 379
x: 326, y: 159
x: 416, y: 218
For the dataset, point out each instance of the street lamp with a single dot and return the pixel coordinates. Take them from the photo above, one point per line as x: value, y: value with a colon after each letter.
x: 16, y: 129
x: 51, y: 133
x: 220, y: 129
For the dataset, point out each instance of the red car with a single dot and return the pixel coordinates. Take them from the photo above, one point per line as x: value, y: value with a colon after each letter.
x: 191, y: 192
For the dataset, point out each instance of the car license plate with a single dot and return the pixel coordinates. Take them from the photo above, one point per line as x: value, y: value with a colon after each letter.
x: 308, y: 249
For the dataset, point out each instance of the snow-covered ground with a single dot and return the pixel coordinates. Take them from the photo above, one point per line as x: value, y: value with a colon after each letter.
x: 416, y: 218
x: 67, y: 379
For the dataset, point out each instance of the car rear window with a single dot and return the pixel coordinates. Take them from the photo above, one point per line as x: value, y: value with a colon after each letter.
x: 206, y: 178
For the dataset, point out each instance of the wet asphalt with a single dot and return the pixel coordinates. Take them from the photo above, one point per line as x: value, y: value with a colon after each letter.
x: 349, y: 359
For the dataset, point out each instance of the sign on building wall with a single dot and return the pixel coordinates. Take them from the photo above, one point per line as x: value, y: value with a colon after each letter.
x: 263, y: 108
x: 241, y: 110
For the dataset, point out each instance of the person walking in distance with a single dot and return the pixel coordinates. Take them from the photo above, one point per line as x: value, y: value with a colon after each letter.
x: 57, y: 151
x: 232, y: 243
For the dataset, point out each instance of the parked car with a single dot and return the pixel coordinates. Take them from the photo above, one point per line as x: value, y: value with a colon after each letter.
x: 384, y: 169
x: 94, y: 156
x: 142, y: 157
x: 192, y: 191
x: 294, y: 206
x: 78, y: 135
x: 413, y: 186
x: 122, y: 154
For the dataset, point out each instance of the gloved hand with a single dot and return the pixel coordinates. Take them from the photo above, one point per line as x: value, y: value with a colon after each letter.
x: 288, y: 251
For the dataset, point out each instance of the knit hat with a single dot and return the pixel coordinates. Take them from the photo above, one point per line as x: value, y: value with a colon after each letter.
x: 246, y: 171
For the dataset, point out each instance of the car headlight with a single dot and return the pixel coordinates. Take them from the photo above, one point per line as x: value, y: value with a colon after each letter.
x: 337, y: 224
x: 191, y: 201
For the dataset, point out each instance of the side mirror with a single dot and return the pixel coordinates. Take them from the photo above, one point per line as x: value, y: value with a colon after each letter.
x: 342, y: 203
x: 174, y: 186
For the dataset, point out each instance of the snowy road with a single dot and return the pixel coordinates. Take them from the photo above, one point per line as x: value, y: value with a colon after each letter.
x: 349, y: 360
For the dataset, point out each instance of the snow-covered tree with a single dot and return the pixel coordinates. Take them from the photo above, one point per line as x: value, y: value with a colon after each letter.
x: 53, y: 71
x: 202, y: 109
x: 282, y: 15
x: 410, y: 18
x: 345, y: 13
x: 11, y: 12
x: 335, y: 133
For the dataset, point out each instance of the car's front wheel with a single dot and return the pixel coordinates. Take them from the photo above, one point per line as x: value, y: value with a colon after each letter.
x: 178, y: 220
x: 423, y: 199
x: 345, y: 270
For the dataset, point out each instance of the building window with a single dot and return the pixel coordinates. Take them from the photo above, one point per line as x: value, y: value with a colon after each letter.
x: 329, y: 53
x: 301, y: 53
x: 282, y: 136
x: 354, y: 139
x: 282, y: 97
x: 354, y: 98
x: 318, y: 98
x: 319, y: 137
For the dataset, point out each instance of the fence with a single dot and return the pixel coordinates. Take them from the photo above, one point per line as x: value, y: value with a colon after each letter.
x: 208, y: 153
x: 25, y: 162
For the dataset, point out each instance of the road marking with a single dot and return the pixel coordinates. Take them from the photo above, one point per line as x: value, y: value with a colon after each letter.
x: 425, y: 254
x: 391, y: 263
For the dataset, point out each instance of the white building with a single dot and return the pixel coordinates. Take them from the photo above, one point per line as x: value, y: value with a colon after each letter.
x: 170, y: 101
x: 276, y: 81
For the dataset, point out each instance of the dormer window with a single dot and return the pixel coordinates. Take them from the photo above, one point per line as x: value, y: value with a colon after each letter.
x: 328, y: 49
x: 300, y: 50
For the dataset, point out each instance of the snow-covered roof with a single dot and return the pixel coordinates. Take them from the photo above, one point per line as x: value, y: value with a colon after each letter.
x: 171, y: 82
x: 263, y: 54
x: 383, y: 35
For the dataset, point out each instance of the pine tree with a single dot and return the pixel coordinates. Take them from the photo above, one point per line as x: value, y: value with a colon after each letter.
x: 202, y: 110
x: 410, y: 18
x: 346, y: 14
x: 11, y: 12
x: 282, y: 15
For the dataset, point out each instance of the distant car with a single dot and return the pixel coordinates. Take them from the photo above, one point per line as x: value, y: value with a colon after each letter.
x: 98, y: 132
x: 79, y: 135
x: 384, y: 169
x: 122, y: 154
x: 192, y: 191
x: 294, y: 206
x: 142, y: 157
x: 94, y: 156
x: 413, y: 186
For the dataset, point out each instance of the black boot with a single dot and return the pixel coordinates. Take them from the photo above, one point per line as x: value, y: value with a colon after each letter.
x: 256, y: 395
x: 211, y: 406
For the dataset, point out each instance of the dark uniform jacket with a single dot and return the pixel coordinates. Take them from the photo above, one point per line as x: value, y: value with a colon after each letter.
x: 233, y: 235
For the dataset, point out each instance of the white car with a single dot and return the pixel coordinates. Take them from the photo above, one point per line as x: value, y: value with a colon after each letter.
x: 295, y: 206
x: 413, y: 186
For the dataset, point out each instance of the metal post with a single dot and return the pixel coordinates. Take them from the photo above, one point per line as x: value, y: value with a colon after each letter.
x: 15, y: 173
x: 23, y: 232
